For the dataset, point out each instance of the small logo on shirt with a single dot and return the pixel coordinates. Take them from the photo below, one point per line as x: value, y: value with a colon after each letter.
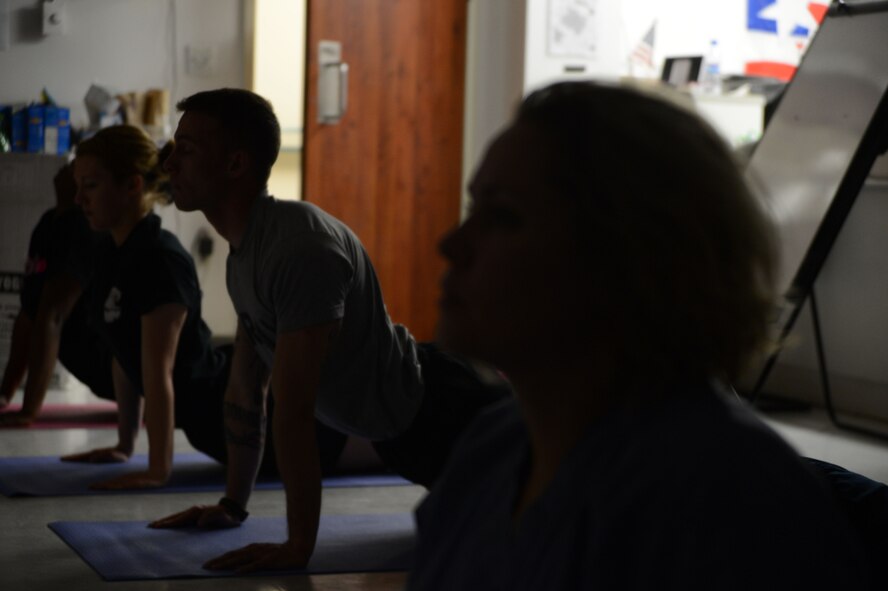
x: 112, y: 305
x: 35, y: 266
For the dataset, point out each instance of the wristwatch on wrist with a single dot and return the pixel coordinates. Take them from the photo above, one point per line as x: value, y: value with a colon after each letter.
x: 234, y: 509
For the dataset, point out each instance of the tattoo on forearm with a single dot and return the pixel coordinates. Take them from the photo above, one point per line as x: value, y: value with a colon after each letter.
x: 252, y: 438
x: 258, y: 375
x: 244, y: 415
x: 243, y: 426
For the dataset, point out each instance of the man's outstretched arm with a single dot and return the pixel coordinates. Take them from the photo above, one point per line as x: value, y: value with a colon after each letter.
x: 245, y: 404
x: 299, y: 358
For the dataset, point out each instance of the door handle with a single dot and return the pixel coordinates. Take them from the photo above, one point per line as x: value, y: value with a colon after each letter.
x: 332, y: 83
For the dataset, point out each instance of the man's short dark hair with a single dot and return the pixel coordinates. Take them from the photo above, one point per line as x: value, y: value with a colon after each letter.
x: 248, y: 120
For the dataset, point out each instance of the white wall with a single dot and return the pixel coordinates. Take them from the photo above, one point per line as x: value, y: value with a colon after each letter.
x: 494, y: 75
x: 279, y: 60
x: 133, y: 45
x: 542, y: 67
x: 683, y: 27
x: 510, y: 54
x: 279, y: 76
x: 123, y: 44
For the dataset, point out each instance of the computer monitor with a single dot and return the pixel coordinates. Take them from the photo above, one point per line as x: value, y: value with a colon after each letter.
x: 681, y: 71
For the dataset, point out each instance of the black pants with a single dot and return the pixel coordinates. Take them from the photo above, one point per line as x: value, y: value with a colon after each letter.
x: 200, y: 414
x: 454, y: 395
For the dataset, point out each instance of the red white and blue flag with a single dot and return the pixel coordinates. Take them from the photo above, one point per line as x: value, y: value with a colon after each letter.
x: 644, y: 51
x: 779, y: 32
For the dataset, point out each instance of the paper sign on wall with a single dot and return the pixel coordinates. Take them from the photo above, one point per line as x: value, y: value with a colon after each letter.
x: 572, y: 28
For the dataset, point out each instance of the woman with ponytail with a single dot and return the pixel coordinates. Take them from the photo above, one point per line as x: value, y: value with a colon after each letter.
x: 146, y: 304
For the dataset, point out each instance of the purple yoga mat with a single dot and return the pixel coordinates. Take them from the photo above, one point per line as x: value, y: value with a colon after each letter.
x: 47, y: 476
x: 129, y: 550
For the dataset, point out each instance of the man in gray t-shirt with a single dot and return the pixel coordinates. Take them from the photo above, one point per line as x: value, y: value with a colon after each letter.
x: 296, y: 267
x: 312, y: 326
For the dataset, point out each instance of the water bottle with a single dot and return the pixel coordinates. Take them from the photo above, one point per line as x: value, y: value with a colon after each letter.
x: 710, y: 81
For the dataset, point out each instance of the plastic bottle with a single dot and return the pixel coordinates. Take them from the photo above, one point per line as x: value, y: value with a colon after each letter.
x: 710, y: 80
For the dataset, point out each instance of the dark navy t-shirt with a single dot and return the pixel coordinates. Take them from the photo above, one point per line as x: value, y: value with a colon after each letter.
x: 62, y: 245
x: 150, y: 269
x: 693, y: 493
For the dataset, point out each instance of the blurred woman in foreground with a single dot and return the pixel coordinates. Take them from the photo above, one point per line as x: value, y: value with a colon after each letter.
x: 616, y: 268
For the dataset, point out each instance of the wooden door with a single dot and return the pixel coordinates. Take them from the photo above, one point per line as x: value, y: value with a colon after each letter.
x: 391, y: 167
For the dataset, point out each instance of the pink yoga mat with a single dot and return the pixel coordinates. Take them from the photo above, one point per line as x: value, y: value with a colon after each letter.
x: 66, y: 416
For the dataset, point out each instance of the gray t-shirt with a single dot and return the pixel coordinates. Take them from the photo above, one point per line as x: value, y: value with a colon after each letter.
x: 297, y: 267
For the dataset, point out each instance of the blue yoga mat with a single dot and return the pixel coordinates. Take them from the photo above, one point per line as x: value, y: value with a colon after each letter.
x: 129, y: 550
x: 47, y: 476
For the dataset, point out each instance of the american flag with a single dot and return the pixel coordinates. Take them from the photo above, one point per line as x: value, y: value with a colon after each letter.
x: 644, y: 51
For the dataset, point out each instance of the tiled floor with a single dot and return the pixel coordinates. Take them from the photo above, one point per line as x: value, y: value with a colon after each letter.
x: 32, y: 557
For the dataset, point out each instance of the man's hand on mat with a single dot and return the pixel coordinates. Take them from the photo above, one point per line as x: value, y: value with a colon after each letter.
x: 16, y: 419
x: 105, y: 455
x: 261, y: 557
x: 203, y: 516
x: 133, y: 480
